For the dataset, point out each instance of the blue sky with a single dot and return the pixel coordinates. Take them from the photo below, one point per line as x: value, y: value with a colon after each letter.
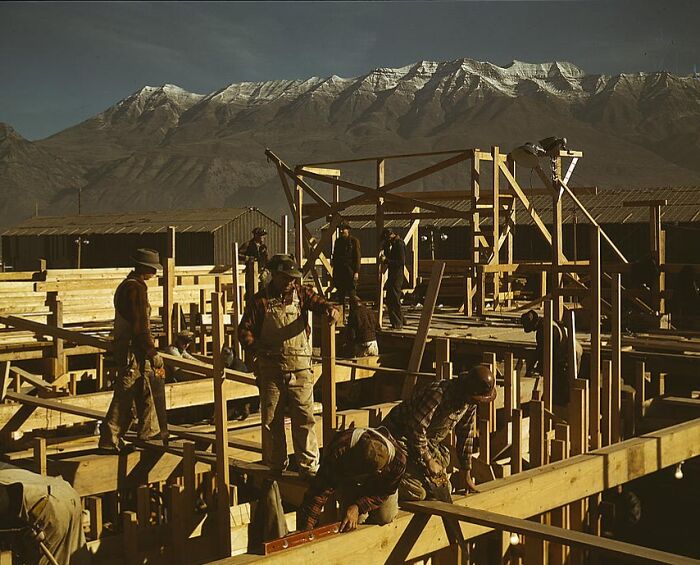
x: 64, y: 62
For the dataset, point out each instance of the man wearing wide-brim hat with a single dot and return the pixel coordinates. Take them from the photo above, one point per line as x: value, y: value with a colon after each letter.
x: 422, y: 422
x: 135, y: 356
x: 274, y: 331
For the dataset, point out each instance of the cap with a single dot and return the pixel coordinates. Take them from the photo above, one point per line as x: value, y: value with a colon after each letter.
x: 529, y: 320
x: 282, y: 263
x: 259, y: 231
x: 369, y: 455
x: 386, y: 232
x: 147, y: 258
x: 343, y: 225
x: 478, y: 383
x: 185, y: 335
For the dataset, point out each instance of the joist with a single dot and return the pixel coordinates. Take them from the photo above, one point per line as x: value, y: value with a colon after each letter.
x: 523, y: 495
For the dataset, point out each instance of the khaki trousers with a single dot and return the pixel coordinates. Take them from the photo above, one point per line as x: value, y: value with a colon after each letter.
x: 293, y: 391
x: 132, y: 387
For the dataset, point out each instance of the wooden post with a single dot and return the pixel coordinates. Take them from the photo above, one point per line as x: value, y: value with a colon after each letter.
x: 548, y: 352
x: 538, y: 456
x: 298, y: 224
x: 475, y: 185
x: 606, y: 403
x: 251, y: 280
x: 490, y: 408
x: 468, y: 296
x: 189, y: 477
x: 237, y: 310
x: 639, y: 396
x: 511, y: 400
x: 577, y: 417
x: 442, y: 356
x: 99, y: 371
x: 557, y: 245
x: 178, y: 528
x: 570, y: 324
x: 143, y: 506
x: 328, y: 397
x: 594, y: 414
x: 484, y: 441
x: 93, y: 504
x: 426, y: 316
x: 480, y: 290
x: 663, y: 318
x: 131, y: 537
x: 58, y: 364
x: 559, y: 516
x: 496, y: 203
x: 380, y: 168
x: 168, y: 287
x: 516, y: 458
x: 40, y: 455
x: 202, y: 327
x: 221, y: 423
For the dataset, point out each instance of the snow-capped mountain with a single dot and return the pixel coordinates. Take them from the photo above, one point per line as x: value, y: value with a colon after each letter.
x: 165, y: 147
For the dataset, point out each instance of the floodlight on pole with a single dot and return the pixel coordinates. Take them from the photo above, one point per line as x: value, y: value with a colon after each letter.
x: 528, y: 155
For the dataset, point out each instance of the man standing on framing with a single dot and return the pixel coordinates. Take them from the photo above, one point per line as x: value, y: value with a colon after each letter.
x: 422, y: 422
x: 275, y: 332
x: 394, y: 253
x: 136, y: 358
x: 346, y: 261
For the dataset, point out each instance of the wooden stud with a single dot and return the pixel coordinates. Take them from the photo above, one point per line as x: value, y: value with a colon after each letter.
x: 496, y: 219
x: 178, y: 528
x: 595, y: 379
x: 570, y: 324
x: 298, y: 224
x: 221, y: 423
x: 475, y: 187
x: 284, y: 235
x: 577, y: 417
x: 58, y: 359
x: 442, y: 356
x: 131, y: 537
x: 548, y: 352
x: 510, y: 398
x: 606, y: 403
x: 557, y: 245
x: 468, y: 298
x: 93, y: 505
x: 328, y: 390
x: 484, y: 441
x: 100, y: 371
x: 189, y: 476
x: 168, y: 282
x: 538, y: 456
x: 558, y: 554
x: 380, y: 168
x: 143, y: 506
x: 516, y: 458
x: 202, y: 311
x: 639, y: 390
x: 426, y: 317
x: 39, y: 444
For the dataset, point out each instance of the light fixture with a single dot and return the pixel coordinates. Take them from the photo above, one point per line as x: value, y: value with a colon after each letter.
x: 514, y: 538
x: 443, y: 237
x: 679, y: 471
x: 528, y: 155
x: 424, y: 238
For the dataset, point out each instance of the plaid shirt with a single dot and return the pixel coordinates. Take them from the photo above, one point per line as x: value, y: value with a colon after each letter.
x: 430, y: 414
x: 251, y: 324
x: 333, y: 474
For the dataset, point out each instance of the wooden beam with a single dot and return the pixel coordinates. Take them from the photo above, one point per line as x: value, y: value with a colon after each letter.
x: 423, y: 327
x: 328, y: 378
x: 570, y: 538
x: 594, y: 315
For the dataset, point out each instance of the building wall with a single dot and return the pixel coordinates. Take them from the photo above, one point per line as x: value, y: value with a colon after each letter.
x: 240, y: 229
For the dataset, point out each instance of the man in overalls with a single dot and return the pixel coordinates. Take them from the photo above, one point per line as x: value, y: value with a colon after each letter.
x: 136, y: 358
x: 275, y: 332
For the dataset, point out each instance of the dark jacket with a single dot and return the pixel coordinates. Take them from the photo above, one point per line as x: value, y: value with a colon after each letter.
x: 395, y: 253
x: 255, y: 251
x: 347, y: 257
x: 131, y: 301
x: 362, y: 324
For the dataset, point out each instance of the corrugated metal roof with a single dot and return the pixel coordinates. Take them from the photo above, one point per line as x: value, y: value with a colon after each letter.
x: 606, y: 207
x: 201, y: 220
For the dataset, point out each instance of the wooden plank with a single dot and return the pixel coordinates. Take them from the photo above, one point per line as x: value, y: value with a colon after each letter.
x: 168, y: 286
x: 590, y: 542
x: 606, y: 402
x: 328, y: 390
x: 516, y: 458
x: 420, y: 340
x: 548, y: 352
x: 595, y: 358
x: 223, y: 514
x: 40, y: 455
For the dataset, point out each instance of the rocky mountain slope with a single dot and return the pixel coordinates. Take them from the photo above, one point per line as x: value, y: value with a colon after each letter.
x: 165, y: 147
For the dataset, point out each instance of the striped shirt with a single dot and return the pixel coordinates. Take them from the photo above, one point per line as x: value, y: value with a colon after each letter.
x: 333, y: 474
x: 430, y: 414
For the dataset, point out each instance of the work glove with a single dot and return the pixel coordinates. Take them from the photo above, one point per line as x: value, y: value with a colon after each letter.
x: 158, y: 366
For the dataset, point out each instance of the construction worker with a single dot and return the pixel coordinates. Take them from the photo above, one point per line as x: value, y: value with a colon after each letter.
x: 183, y: 342
x: 137, y: 360
x: 256, y: 248
x: 361, y: 330
x: 364, y: 466
x: 394, y: 256
x: 50, y: 509
x: 531, y: 322
x: 346, y: 261
x: 275, y: 333
x: 423, y: 421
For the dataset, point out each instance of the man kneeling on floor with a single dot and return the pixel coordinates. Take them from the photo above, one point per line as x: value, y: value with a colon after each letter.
x: 421, y: 423
x: 364, y: 466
